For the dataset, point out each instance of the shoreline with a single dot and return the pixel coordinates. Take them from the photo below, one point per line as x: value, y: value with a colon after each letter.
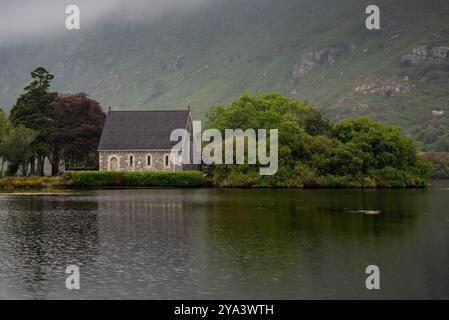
x: 62, y: 189
x: 97, y: 180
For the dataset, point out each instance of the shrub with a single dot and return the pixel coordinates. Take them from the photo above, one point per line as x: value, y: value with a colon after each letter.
x: 308, y: 176
x: 393, y: 178
x: 368, y: 182
x: 237, y: 179
x: 135, y: 179
x: 82, y: 169
x: 337, y: 182
x: 440, y: 164
x: 32, y: 182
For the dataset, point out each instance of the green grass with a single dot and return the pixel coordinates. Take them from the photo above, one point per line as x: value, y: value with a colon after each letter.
x: 33, y: 182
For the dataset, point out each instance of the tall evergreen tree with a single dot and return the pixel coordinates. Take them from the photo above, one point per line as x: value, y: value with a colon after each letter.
x: 33, y: 110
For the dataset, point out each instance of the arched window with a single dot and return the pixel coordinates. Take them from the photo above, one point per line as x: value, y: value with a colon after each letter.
x: 149, y: 160
x: 167, y: 160
x: 113, y: 164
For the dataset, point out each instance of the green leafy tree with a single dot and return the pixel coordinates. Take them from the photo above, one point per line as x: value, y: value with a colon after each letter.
x: 442, y: 144
x: 3, y: 123
x: 16, y: 147
x: 312, y: 152
x: 33, y: 110
x: 377, y: 144
x: 297, y: 124
x: 440, y: 164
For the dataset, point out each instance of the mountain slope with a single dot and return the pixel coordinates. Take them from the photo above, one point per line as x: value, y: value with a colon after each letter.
x: 319, y: 51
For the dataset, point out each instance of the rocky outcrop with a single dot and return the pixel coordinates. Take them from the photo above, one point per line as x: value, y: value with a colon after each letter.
x: 437, y: 113
x: 323, y: 57
x: 388, y: 86
x: 426, y: 54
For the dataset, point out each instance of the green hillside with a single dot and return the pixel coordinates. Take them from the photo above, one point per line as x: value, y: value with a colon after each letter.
x: 319, y: 51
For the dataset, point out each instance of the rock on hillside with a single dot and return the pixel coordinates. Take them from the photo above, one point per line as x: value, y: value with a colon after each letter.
x: 426, y: 54
x: 323, y: 57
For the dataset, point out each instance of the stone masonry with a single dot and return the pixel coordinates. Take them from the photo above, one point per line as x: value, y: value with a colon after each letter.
x: 121, y: 161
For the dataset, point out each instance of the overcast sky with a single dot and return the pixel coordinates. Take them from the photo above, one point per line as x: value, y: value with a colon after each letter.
x: 26, y: 19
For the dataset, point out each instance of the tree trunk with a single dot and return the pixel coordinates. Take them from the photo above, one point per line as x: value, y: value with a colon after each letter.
x: 55, y: 165
x: 33, y: 165
x: 40, y: 166
x: 2, y: 167
x: 24, y: 169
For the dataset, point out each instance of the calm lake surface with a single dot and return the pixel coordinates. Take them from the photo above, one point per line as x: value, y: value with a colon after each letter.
x: 226, y: 244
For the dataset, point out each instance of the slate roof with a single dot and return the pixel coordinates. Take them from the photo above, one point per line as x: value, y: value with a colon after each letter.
x: 137, y: 130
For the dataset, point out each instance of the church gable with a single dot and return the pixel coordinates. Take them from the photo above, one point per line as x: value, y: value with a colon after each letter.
x: 140, y: 140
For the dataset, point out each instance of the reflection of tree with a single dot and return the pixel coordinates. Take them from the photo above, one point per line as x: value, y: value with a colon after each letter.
x: 275, y: 233
x: 45, y: 235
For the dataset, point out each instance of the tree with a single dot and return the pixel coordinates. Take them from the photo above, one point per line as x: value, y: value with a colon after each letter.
x: 313, y: 152
x: 440, y: 164
x: 442, y: 144
x: 4, y: 127
x: 16, y: 149
x: 33, y: 110
x: 78, y: 122
x: 3, y: 123
x: 377, y: 144
x: 297, y: 125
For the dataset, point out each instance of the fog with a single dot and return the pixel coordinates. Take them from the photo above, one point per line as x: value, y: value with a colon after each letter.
x: 24, y: 20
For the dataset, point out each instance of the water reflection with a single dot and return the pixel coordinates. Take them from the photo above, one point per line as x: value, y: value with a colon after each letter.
x: 211, y: 243
x: 40, y: 237
x: 305, y: 243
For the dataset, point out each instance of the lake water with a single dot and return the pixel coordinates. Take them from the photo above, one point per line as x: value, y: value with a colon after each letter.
x: 226, y: 243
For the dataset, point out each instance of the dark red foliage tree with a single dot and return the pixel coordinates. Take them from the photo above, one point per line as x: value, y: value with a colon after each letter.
x: 79, y: 121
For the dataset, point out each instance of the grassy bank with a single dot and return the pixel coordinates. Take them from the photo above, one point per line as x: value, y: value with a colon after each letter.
x: 11, y: 183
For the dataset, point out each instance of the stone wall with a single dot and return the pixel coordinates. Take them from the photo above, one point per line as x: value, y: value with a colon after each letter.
x: 107, y: 162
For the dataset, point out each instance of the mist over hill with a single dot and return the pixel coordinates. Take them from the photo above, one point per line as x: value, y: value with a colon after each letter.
x: 209, y: 52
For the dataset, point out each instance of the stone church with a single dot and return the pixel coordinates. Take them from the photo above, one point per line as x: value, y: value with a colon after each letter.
x: 140, y: 140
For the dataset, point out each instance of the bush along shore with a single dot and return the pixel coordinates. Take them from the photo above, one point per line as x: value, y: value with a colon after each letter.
x: 389, y: 178
x: 134, y: 179
x: 99, y: 179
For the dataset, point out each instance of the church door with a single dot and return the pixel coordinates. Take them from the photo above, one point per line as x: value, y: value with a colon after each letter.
x: 113, y: 164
